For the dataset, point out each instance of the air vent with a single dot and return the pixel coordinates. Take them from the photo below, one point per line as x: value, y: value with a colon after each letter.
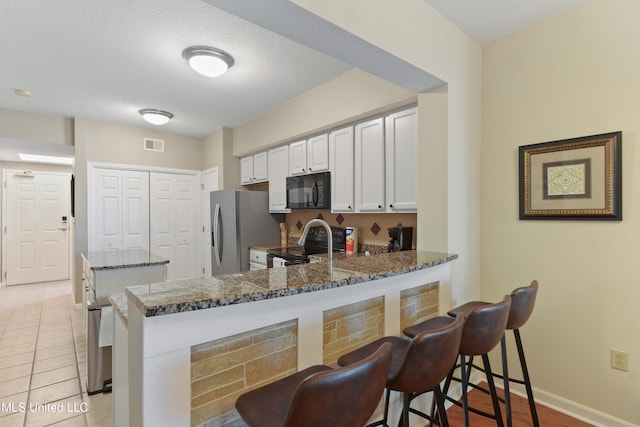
x: 150, y: 144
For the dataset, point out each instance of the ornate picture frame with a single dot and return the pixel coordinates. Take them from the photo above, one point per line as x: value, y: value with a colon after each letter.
x: 572, y: 179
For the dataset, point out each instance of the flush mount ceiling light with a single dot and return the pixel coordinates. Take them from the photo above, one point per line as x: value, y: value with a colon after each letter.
x: 208, y: 61
x: 155, y: 117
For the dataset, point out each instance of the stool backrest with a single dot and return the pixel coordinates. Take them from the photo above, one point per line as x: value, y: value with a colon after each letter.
x: 341, y: 397
x: 522, y: 301
x: 429, y: 358
x: 484, y: 327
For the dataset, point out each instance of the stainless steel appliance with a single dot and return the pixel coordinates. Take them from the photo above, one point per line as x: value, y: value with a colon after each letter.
x: 311, y: 191
x: 316, y: 243
x: 401, y: 239
x: 98, y: 358
x: 239, y: 219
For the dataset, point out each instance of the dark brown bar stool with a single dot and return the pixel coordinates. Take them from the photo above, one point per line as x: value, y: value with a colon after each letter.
x: 483, y: 328
x: 418, y: 365
x: 523, y: 300
x: 320, y: 396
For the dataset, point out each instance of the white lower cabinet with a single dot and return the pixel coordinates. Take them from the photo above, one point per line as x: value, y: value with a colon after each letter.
x: 257, y: 259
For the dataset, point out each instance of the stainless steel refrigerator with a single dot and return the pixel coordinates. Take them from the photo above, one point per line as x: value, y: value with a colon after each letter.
x: 240, y: 219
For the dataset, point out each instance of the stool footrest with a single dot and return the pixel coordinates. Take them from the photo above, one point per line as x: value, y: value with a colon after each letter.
x: 474, y: 410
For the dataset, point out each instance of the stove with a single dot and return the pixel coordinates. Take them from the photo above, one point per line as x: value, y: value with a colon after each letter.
x: 316, y: 243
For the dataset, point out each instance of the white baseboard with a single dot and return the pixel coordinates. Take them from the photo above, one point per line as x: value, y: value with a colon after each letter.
x: 557, y: 403
x: 570, y: 408
x: 574, y: 409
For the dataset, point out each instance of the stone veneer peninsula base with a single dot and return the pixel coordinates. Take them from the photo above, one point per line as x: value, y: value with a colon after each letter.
x: 170, y: 327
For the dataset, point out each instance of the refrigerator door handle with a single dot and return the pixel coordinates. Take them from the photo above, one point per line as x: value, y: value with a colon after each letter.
x: 216, y: 234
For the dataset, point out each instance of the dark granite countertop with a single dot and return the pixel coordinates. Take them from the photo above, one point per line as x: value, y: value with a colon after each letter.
x: 208, y: 292
x: 119, y: 303
x: 124, y: 258
x: 265, y: 246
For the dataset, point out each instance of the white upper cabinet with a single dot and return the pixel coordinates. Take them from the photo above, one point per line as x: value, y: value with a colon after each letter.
x: 298, y: 158
x: 309, y: 156
x: 373, y: 165
x: 342, y: 177
x: 278, y: 168
x: 401, y: 160
x: 369, y: 166
x: 260, y: 167
x: 254, y: 168
x: 318, y: 153
x: 246, y: 170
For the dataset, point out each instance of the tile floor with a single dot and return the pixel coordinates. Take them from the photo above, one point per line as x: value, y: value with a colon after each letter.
x: 43, y: 359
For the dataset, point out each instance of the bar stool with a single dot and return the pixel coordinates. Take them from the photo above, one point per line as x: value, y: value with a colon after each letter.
x: 418, y: 365
x: 320, y: 396
x: 523, y: 300
x: 483, y: 328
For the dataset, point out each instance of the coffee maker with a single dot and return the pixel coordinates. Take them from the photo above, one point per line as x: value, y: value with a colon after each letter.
x: 401, y: 239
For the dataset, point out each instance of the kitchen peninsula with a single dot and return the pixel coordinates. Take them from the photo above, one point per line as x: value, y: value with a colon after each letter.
x: 182, y: 339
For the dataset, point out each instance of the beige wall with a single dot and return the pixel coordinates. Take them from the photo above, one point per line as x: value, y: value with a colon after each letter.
x: 48, y: 128
x: 111, y: 143
x: 572, y: 76
x: 217, y: 151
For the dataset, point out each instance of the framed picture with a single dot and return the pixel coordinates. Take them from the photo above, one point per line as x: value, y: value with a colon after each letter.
x: 578, y: 178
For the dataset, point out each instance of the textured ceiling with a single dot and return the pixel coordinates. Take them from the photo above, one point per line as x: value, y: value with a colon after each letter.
x: 106, y: 59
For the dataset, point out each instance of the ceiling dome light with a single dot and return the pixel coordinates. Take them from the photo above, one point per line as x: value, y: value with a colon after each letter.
x: 155, y: 117
x: 208, y: 61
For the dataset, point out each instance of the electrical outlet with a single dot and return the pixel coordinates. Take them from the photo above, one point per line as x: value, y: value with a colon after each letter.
x: 619, y: 360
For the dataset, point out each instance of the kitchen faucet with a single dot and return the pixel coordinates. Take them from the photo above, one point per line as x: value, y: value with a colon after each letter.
x: 329, y: 235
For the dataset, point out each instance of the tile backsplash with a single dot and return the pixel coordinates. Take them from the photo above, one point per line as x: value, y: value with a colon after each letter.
x: 372, y: 228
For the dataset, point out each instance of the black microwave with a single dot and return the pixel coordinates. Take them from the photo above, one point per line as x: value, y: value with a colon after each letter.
x: 311, y: 191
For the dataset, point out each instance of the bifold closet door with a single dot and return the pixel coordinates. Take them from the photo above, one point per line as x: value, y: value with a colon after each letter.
x: 118, y: 209
x: 174, y: 202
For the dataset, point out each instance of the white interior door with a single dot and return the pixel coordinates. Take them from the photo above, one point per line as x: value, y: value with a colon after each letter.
x: 209, y: 184
x: 174, y: 220
x: 37, y: 227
